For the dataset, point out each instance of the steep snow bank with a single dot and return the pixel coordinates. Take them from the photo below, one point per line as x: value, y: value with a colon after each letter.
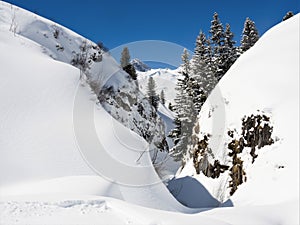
x: 38, y: 97
x: 265, y: 78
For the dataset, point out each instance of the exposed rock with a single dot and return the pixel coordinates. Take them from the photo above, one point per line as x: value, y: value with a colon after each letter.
x: 139, y: 65
x: 201, y: 162
x: 129, y: 106
x: 256, y: 132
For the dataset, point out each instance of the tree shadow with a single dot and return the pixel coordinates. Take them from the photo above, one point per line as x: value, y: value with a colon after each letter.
x: 191, y: 193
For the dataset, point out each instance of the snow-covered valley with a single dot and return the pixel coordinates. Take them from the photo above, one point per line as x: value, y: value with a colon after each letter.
x: 66, y: 159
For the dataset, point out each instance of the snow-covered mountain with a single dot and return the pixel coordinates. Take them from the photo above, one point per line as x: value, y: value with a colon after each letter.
x: 165, y: 79
x: 48, y: 117
x: 139, y: 65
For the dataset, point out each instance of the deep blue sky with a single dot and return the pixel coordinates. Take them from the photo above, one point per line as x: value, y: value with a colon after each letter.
x: 116, y: 22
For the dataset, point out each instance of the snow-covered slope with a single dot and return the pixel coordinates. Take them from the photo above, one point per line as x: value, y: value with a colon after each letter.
x: 36, y: 114
x: 39, y: 142
x: 264, y: 80
x: 165, y: 79
x: 64, y: 45
x: 44, y: 178
x: 139, y: 65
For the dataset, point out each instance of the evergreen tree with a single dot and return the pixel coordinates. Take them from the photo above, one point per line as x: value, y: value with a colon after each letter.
x: 185, y: 116
x: 131, y: 71
x: 288, y: 15
x: 126, y: 65
x: 201, y: 85
x: 202, y: 79
x: 184, y: 121
x: 216, y: 31
x: 217, y: 42
x: 186, y: 61
x: 230, y: 53
x: 125, y: 57
x: 162, y: 97
x: 202, y: 53
x: 250, y: 35
x: 182, y: 91
x: 151, y: 92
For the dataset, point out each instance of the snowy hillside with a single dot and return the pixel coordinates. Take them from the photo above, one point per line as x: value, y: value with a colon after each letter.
x: 39, y: 143
x: 66, y: 46
x: 66, y: 160
x: 139, y: 65
x: 165, y: 80
x: 263, y: 81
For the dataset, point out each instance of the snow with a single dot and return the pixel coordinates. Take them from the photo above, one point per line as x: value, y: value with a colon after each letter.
x: 192, y: 193
x: 48, y: 177
x: 264, y: 80
x: 36, y: 114
x: 139, y: 65
x: 45, y: 124
x: 165, y: 80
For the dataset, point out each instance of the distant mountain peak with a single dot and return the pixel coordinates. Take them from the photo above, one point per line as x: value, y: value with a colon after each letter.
x: 139, y: 65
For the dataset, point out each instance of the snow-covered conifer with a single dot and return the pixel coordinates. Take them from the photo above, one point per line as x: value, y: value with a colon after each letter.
x: 162, y: 97
x: 250, y: 35
x: 151, y: 92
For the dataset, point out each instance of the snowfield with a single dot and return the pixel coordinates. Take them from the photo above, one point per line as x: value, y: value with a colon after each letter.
x: 165, y: 80
x: 45, y: 177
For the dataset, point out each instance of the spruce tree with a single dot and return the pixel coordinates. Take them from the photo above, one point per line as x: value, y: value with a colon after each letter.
x: 201, y: 85
x: 186, y: 61
x: 126, y: 65
x: 216, y: 31
x: 230, y: 52
x: 125, y: 57
x: 131, y: 71
x: 250, y: 35
x: 162, y: 97
x: 185, y: 116
x: 151, y: 92
x: 217, y: 42
x: 184, y: 121
x: 202, y: 79
x: 202, y: 53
